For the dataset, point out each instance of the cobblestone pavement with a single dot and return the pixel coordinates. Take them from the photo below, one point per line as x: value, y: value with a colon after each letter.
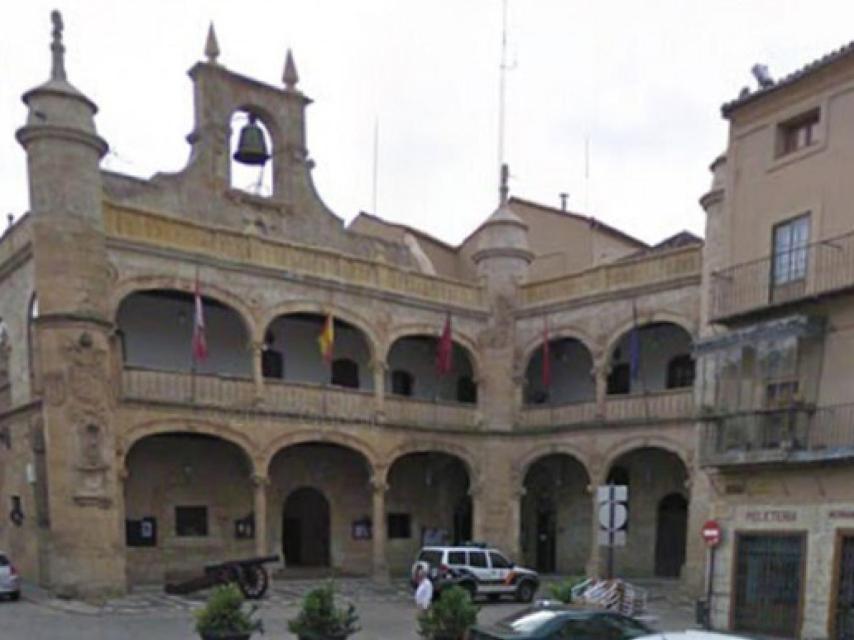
x: 386, y: 612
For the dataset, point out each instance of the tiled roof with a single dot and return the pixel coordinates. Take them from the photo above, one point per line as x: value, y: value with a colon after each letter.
x: 793, y: 77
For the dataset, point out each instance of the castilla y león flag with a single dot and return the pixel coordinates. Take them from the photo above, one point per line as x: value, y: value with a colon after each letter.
x: 445, y: 349
x: 200, y: 343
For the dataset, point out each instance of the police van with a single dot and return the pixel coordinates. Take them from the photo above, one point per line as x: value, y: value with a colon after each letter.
x: 480, y: 570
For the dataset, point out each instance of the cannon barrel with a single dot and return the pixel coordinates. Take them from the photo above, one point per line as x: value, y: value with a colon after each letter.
x: 247, y: 562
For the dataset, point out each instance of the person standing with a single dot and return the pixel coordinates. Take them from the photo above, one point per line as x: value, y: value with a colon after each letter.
x: 424, y: 590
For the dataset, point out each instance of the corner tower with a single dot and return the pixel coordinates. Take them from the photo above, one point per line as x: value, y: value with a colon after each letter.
x: 73, y: 330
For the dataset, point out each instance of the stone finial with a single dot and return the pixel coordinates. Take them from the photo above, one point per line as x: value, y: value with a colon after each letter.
x: 504, y: 189
x: 57, y: 70
x: 290, y: 76
x: 211, y: 46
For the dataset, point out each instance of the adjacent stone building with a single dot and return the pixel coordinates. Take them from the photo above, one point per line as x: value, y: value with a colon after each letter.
x: 124, y: 459
x: 775, y: 359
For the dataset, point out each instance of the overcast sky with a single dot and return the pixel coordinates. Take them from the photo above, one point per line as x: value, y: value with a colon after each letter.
x: 642, y: 81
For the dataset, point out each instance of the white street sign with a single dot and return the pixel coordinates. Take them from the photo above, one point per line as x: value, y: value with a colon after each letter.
x: 620, y: 515
x: 621, y: 493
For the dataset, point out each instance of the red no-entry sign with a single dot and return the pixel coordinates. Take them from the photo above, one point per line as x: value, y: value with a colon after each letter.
x: 711, y: 533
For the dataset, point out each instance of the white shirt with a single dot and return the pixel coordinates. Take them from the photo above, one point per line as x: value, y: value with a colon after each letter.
x: 424, y: 594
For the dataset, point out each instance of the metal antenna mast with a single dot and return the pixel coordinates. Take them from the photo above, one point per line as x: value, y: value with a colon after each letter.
x: 376, y: 162
x: 502, y: 89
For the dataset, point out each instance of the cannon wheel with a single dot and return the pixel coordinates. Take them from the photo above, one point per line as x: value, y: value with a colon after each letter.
x: 253, y: 581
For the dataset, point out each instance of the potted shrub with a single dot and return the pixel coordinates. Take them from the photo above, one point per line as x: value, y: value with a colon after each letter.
x: 449, y: 617
x: 224, y: 618
x: 320, y: 619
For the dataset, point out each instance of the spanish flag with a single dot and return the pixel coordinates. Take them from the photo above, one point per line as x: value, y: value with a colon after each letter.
x: 326, y: 339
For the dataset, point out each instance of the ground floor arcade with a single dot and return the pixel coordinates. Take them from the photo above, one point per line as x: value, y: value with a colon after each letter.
x: 191, y: 498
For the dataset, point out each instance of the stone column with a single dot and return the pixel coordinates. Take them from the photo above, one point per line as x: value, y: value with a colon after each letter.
x: 516, y: 524
x: 379, y: 368
x: 260, y: 484
x: 594, y: 563
x: 257, y: 369
x: 600, y: 374
x: 478, y: 507
x: 378, y: 530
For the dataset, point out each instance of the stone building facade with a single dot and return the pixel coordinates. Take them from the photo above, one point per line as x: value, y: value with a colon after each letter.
x: 124, y: 460
x: 774, y: 358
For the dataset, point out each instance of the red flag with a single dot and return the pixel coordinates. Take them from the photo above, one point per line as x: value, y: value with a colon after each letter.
x: 547, y: 365
x: 445, y: 349
x: 200, y: 344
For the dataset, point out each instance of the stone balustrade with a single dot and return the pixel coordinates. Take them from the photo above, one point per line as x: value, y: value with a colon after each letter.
x: 645, y: 270
x: 437, y: 415
x: 656, y: 405
x: 292, y: 398
x: 546, y: 415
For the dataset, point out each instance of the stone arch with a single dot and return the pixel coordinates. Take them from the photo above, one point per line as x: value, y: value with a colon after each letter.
x: 559, y: 333
x: 426, y: 446
x: 308, y: 436
x: 462, y: 339
x: 665, y: 317
x: 614, y: 453
x: 358, y: 321
x: 141, y: 284
x: 523, y: 464
x: 129, y: 438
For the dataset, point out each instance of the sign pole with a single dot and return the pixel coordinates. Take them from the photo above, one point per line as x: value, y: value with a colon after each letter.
x: 610, y: 532
x: 710, y: 587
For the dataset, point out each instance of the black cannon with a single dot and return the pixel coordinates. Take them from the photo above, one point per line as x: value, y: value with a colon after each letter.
x: 249, y: 575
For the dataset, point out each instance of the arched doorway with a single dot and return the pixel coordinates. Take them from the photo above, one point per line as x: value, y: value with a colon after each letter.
x: 305, y: 528
x: 555, y: 523
x: 657, y: 512
x: 324, y: 493
x: 671, y: 532
x: 412, y: 367
x: 427, y: 503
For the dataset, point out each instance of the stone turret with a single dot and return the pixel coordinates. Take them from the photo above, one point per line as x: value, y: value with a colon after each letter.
x: 73, y: 332
x: 503, y: 254
x: 714, y: 249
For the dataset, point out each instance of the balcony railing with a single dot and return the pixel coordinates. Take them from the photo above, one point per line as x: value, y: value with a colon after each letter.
x: 291, y: 398
x: 796, y: 434
x: 816, y: 269
x: 657, y: 405
x: 558, y: 414
x: 438, y: 415
x: 672, y: 403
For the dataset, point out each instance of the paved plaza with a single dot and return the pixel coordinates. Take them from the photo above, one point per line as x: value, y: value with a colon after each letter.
x: 386, y: 612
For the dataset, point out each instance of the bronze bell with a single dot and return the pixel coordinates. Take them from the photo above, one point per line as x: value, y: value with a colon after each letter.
x: 251, y: 147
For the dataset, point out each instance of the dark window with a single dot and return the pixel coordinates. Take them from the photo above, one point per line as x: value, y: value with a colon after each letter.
x: 399, y: 526
x: 477, y: 559
x: 498, y: 561
x: 345, y: 373
x: 790, y: 250
x: 456, y: 557
x: 191, y: 521
x: 584, y: 629
x: 798, y: 133
x: 618, y: 379
x: 680, y: 371
x: 272, y: 362
x: 4, y: 561
x: 466, y: 390
x: 402, y: 383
